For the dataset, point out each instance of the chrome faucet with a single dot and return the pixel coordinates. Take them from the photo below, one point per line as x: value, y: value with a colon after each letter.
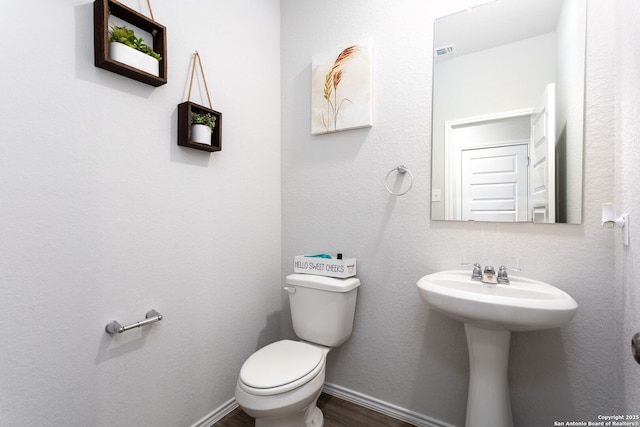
x: 477, y: 271
x: 489, y: 275
x: 503, y: 277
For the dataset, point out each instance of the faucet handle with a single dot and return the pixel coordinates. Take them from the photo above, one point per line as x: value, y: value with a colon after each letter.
x: 477, y: 270
x: 503, y: 277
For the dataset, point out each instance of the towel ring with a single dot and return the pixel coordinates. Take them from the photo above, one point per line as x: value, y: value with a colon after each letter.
x: 402, y: 169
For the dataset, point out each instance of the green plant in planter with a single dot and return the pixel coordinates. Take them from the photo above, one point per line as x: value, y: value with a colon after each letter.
x: 127, y: 37
x: 206, y: 119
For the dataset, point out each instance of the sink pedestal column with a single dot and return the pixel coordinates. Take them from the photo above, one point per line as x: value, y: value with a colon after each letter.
x: 488, y: 403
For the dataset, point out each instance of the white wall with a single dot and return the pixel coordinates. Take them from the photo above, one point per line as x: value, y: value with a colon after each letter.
x: 334, y: 200
x: 103, y: 217
x: 626, y: 197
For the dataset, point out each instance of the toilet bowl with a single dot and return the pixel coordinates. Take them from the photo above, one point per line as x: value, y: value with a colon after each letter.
x: 279, y: 385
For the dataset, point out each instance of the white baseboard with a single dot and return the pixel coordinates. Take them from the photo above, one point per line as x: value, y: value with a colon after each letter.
x: 363, y: 400
x: 382, y: 407
x: 217, y: 414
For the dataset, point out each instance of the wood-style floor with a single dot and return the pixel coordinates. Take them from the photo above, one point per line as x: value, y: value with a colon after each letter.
x: 337, y: 413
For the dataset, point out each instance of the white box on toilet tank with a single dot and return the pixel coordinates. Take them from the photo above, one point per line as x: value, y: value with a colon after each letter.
x: 332, y: 267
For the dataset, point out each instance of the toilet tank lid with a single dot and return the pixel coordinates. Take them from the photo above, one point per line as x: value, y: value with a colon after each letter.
x: 323, y: 283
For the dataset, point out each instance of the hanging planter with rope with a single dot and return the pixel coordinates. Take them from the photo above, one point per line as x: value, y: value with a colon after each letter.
x: 106, y: 53
x: 199, y: 127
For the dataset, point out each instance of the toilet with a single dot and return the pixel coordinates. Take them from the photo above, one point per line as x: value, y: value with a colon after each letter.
x: 279, y: 384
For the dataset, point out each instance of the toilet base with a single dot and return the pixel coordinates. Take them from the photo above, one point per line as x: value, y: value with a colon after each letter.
x: 311, y: 417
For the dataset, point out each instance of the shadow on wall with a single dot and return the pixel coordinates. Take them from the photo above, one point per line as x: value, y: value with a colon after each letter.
x: 113, y: 346
x: 271, y: 331
x: 538, y: 379
x: 561, y: 176
x: 443, y: 368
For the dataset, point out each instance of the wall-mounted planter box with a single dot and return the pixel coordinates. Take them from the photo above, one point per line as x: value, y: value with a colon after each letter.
x: 101, y: 11
x: 185, y: 137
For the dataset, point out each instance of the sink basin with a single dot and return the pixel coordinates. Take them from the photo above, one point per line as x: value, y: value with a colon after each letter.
x: 522, y: 305
x: 490, y: 313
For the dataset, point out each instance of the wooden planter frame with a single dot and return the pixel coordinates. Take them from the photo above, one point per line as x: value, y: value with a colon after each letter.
x: 184, y: 127
x: 101, y: 11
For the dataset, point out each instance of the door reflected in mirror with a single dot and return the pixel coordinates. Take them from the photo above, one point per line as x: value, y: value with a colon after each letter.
x: 508, y: 112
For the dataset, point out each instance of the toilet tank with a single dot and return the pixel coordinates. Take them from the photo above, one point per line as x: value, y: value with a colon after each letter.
x: 322, y: 308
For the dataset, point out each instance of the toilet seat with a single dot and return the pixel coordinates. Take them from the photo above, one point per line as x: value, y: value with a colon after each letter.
x: 280, y: 367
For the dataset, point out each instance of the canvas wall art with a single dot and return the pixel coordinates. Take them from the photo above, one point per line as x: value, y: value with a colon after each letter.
x: 341, y: 89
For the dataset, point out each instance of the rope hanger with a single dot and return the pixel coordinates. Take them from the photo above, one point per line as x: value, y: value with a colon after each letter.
x: 196, y: 57
x: 150, y: 10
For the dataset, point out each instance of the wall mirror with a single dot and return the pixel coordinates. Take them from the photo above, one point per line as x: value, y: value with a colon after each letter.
x: 508, y: 112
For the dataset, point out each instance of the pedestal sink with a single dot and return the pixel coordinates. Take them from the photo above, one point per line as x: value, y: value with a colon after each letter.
x: 490, y: 312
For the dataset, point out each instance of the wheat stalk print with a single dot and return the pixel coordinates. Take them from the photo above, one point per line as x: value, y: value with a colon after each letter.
x: 331, y: 82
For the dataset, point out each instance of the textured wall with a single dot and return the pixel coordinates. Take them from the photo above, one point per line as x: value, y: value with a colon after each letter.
x: 627, y: 176
x: 103, y: 217
x: 334, y: 200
